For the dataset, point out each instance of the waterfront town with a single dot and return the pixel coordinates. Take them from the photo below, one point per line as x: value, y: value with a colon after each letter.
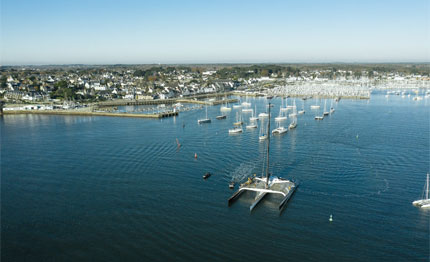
x: 74, y: 86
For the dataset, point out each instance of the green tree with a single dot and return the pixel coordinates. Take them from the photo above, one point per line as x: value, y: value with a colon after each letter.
x: 357, y: 74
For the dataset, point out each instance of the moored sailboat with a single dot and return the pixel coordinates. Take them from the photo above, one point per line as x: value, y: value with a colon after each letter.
x: 301, y: 112
x: 263, y: 135
x: 293, y: 123
x: 325, y: 112
x: 254, y: 115
x: 316, y: 106
x: 331, y: 107
x: 425, y: 201
x: 281, y: 116
x: 239, y: 121
x: 235, y: 130
x: 204, y: 120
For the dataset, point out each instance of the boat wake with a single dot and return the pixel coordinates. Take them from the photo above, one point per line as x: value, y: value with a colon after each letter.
x: 242, y: 172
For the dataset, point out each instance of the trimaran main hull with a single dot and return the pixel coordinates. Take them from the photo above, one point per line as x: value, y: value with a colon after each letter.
x: 259, y: 197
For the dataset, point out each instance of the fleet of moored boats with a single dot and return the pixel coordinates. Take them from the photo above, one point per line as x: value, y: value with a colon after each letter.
x: 245, y: 107
x: 267, y: 184
x: 270, y: 184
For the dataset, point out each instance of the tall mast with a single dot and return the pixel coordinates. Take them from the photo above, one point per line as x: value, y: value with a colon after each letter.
x: 427, y: 190
x: 268, y: 145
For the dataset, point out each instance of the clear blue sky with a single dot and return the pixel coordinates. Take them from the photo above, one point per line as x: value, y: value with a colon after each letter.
x: 128, y: 31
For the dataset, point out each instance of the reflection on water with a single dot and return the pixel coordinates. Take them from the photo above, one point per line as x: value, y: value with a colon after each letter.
x: 35, y: 120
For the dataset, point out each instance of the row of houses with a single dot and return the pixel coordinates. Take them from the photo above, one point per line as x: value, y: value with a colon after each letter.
x: 118, y: 83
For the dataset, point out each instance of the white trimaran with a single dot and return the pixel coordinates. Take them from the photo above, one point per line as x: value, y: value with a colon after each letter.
x: 266, y: 185
x: 425, y: 202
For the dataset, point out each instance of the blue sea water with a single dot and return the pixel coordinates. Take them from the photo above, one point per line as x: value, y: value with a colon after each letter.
x: 105, y: 188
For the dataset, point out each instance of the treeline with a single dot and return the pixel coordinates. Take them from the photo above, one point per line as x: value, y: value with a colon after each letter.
x: 223, y: 71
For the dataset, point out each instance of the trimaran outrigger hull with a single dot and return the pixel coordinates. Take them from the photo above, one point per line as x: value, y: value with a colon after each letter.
x: 285, y: 200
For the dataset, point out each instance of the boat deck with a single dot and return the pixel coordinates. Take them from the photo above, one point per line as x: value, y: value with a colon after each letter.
x: 276, y: 186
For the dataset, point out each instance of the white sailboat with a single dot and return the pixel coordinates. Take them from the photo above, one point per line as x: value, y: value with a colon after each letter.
x: 246, y: 103
x: 301, y: 112
x: 235, y: 130
x: 293, y: 123
x: 225, y: 107
x: 262, y: 114
x: 293, y: 105
x: 247, y: 110
x: 279, y: 130
x: 425, y: 202
x: 331, y: 107
x: 316, y: 106
x: 317, y: 117
x: 205, y: 120
x: 254, y: 113
x: 294, y: 113
x: 239, y: 121
x: 325, y: 112
x: 262, y: 135
x: 286, y: 105
x: 281, y: 116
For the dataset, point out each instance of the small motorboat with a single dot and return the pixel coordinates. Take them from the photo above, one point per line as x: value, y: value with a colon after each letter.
x: 221, y: 117
x: 207, y: 175
x: 231, y: 185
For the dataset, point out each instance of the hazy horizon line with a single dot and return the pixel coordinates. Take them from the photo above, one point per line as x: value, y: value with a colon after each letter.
x: 209, y: 63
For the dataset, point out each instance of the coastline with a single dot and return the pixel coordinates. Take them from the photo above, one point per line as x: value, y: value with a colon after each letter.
x: 81, y: 113
x: 189, y: 100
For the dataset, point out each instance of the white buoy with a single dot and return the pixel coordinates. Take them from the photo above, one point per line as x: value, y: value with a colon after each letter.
x: 331, y: 218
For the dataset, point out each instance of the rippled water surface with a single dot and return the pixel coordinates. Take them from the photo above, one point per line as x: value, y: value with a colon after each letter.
x: 102, y: 188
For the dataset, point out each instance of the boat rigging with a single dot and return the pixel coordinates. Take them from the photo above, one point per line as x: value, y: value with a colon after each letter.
x: 266, y: 185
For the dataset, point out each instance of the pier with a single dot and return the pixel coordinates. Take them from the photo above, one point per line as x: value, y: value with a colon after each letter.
x: 85, y: 113
x: 196, y: 99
